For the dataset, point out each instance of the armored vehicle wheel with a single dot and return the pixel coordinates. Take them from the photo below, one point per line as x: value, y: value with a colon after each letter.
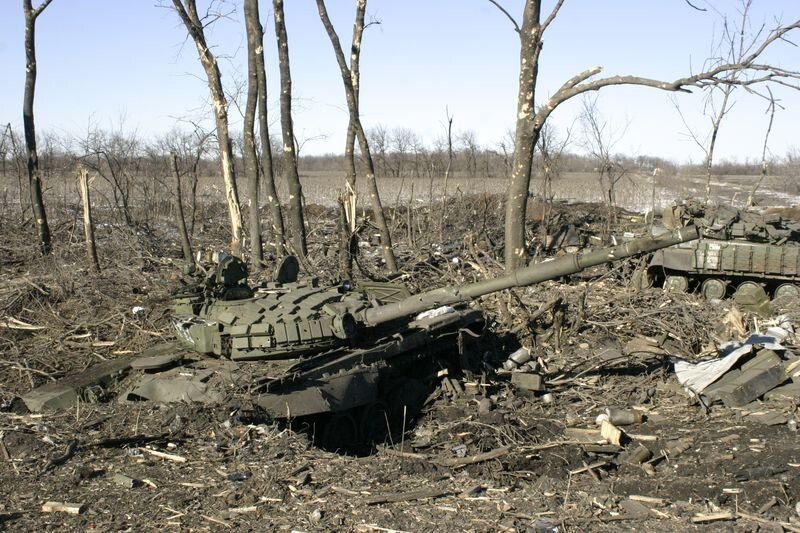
x: 788, y: 291
x: 714, y: 289
x: 751, y: 296
x: 376, y: 423
x: 676, y: 284
x: 340, y: 433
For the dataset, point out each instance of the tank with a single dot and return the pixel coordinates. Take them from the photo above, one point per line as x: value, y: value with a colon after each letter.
x: 362, y: 356
x: 738, y: 252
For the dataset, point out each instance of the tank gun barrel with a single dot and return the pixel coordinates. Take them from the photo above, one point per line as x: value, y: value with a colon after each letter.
x: 563, y: 266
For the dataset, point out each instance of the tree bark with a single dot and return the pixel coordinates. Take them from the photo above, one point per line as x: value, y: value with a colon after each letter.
x: 34, y: 175
x: 273, y: 201
x: 190, y: 18
x: 296, y: 217
x: 526, y: 134
x: 250, y: 158
x: 355, y: 121
x: 88, y: 224
x: 185, y: 243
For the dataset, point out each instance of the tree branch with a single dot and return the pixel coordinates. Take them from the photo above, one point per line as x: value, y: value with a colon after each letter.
x: 551, y: 16
x: 42, y: 7
x: 507, y: 14
x: 695, y: 7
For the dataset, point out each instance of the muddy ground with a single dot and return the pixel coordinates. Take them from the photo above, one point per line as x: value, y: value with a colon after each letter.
x: 489, y: 458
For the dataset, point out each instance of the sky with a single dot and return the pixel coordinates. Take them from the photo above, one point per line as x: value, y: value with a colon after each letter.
x: 110, y: 62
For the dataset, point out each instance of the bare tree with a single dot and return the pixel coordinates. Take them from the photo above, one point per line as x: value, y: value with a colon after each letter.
x: 379, y: 141
x: 88, y: 223
x: 186, y: 245
x: 764, y: 162
x: 187, y: 10
x: 530, y: 118
x: 733, y: 46
x: 296, y: 220
x: 114, y: 156
x: 352, y: 104
x: 252, y: 22
x: 599, y: 140
x: 551, y: 149
x: 34, y: 175
x: 267, y: 166
x: 470, y: 148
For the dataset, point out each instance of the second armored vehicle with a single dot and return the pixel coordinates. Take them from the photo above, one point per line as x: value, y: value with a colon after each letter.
x: 738, y: 251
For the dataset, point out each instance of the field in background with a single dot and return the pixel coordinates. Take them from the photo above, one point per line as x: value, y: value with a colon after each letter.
x: 634, y: 192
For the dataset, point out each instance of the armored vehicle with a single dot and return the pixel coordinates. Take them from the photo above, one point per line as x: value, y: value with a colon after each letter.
x: 299, y: 349
x: 738, y: 251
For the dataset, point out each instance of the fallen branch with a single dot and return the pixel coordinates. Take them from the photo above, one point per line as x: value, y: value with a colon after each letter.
x: 162, y: 455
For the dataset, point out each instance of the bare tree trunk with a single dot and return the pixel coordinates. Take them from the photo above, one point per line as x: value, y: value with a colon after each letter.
x: 88, y: 224
x: 185, y: 243
x: 194, y: 26
x: 352, y: 104
x: 250, y: 158
x: 715, y: 124
x: 347, y: 242
x: 297, y: 228
x: 34, y: 175
x: 449, y: 167
x: 273, y: 201
x: 764, y: 164
x: 355, y: 79
x: 527, y: 133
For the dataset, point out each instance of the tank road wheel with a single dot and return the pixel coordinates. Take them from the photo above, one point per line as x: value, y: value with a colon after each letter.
x: 751, y: 296
x: 340, y: 433
x: 376, y: 423
x: 714, y: 289
x: 789, y: 291
x: 676, y: 284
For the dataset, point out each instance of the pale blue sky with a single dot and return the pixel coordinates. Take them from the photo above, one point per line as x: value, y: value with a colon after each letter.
x: 100, y: 59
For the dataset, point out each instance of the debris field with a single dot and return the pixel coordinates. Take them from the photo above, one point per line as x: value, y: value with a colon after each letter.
x: 597, y: 405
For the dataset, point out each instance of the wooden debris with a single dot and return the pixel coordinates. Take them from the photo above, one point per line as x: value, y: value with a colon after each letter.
x: 756, y: 377
x: 12, y: 323
x: 785, y: 525
x: 61, y: 507
x: 588, y: 468
x: 786, y: 392
x: 222, y: 523
x: 702, y: 518
x: 648, y: 499
x: 162, y: 455
x: 243, y: 510
x: 611, y: 433
x: 589, y: 435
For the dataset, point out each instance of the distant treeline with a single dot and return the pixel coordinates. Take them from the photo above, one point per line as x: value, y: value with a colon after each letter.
x: 397, y: 153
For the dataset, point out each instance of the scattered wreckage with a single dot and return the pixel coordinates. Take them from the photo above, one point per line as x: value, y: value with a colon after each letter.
x: 299, y: 349
x: 744, y: 252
